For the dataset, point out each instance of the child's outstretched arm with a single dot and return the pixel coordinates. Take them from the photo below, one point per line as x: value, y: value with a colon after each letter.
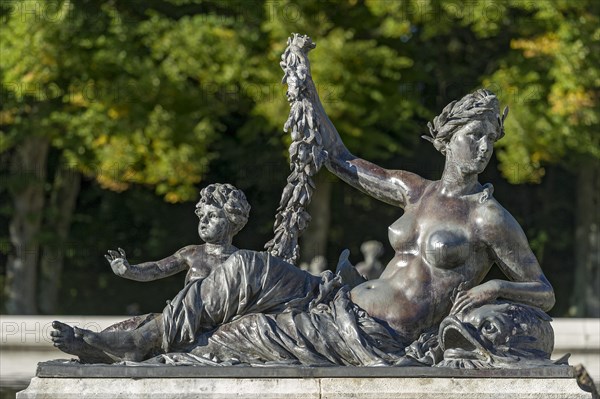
x: 147, y: 271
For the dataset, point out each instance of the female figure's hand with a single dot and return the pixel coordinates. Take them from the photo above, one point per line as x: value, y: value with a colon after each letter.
x: 118, y: 261
x: 475, y: 297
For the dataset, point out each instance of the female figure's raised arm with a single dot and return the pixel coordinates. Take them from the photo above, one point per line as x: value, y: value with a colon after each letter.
x: 510, y: 249
x: 395, y: 187
x: 147, y: 271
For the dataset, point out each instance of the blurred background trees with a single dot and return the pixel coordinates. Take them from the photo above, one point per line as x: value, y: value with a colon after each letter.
x: 114, y: 115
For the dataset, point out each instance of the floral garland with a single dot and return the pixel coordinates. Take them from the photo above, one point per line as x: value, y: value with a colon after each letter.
x: 306, y: 151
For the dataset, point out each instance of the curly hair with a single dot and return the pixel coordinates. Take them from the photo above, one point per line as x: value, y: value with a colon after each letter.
x: 479, y: 105
x: 230, y: 199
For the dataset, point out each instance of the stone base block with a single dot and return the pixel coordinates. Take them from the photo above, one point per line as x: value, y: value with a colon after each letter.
x: 131, y: 382
x: 292, y: 388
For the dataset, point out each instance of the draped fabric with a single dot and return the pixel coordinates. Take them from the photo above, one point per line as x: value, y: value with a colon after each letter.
x: 248, y: 282
x: 333, y: 333
x: 256, y: 308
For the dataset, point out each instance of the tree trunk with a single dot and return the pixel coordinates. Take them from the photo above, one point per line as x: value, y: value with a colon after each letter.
x: 314, y: 239
x: 28, y: 169
x: 65, y: 189
x: 586, y: 301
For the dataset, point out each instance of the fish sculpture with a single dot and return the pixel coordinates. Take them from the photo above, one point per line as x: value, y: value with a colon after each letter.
x: 497, y: 335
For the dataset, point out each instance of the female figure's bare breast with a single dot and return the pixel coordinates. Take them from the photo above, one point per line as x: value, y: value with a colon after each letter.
x: 435, y: 251
x: 451, y: 232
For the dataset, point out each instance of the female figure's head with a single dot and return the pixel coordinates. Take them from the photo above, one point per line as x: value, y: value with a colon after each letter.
x: 223, y: 211
x: 467, y: 129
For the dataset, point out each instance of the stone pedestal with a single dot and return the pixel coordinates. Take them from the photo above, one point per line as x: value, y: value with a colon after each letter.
x: 70, y: 380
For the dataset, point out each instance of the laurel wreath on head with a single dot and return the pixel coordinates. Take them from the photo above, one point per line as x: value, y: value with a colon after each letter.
x: 459, y: 113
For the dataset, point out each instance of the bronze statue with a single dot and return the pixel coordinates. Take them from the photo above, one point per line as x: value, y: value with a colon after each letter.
x: 452, y: 230
x: 255, y: 307
x: 222, y: 212
x: 501, y: 334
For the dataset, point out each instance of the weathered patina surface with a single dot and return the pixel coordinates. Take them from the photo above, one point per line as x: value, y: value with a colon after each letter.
x: 429, y: 306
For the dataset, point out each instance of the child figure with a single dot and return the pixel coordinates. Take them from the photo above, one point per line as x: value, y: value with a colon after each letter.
x: 223, y: 211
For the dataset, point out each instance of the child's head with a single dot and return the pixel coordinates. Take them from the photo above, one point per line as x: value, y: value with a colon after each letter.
x: 228, y: 198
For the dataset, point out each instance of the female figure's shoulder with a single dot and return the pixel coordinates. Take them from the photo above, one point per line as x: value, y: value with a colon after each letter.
x: 411, y: 185
x: 493, y: 221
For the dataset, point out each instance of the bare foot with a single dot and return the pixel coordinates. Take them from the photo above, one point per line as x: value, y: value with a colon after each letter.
x: 64, y: 338
x: 70, y: 340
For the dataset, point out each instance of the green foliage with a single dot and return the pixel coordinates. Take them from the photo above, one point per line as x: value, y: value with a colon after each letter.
x: 132, y: 92
x: 359, y: 77
x: 157, y: 96
x: 125, y: 96
x: 552, y: 71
